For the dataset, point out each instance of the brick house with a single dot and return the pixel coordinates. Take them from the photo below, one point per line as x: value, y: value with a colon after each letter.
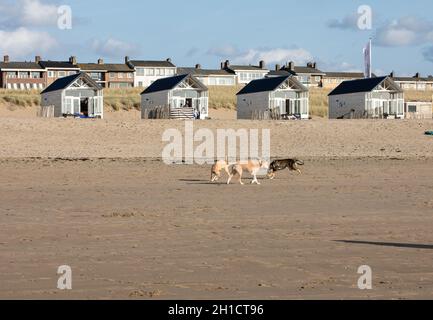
x: 22, y: 75
x: 308, y: 75
x: 59, y: 69
x: 109, y: 75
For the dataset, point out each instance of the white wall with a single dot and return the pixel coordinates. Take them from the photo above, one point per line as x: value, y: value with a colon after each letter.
x: 147, y: 80
x: 340, y: 105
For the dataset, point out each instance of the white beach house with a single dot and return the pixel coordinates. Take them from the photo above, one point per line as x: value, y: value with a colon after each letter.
x: 285, y: 95
x: 184, y: 95
x: 378, y: 97
x: 77, y: 95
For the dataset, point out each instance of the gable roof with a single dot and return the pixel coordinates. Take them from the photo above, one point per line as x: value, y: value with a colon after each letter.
x: 58, y: 64
x: 307, y: 70
x: 20, y: 65
x: 205, y: 72
x: 170, y: 83
x: 414, y: 79
x: 65, y: 82
x: 268, y: 84
x: 359, y: 85
x: 152, y: 63
x: 346, y: 75
x: 247, y: 68
x: 115, y: 67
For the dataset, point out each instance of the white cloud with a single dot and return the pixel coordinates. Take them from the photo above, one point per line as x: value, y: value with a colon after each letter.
x: 349, y: 22
x: 269, y: 55
x: 406, y: 31
x: 27, y: 13
x: 223, y: 51
x: 114, y: 48
x: 278, y: 55
x: 23, y: 42
x: 35, y: 13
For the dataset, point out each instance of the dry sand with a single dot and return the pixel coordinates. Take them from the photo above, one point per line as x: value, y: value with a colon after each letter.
x: 132, y: 227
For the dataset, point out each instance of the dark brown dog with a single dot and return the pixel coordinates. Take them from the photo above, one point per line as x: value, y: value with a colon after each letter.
x: 279, y: 165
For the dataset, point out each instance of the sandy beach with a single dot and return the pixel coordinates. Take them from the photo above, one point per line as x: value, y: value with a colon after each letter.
x: 95, y: 195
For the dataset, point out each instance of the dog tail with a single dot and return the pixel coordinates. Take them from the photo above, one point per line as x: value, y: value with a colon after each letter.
x: 299, y: 162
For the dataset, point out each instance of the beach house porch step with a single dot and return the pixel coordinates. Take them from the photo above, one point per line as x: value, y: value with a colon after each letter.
x: 182, y: 113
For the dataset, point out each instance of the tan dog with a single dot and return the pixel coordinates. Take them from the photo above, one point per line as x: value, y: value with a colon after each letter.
x: 217, y: 168
x: 252, y: 167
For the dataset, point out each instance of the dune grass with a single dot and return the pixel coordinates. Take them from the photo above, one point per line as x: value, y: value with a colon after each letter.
x: 24, y: 98
x: 220, y: 97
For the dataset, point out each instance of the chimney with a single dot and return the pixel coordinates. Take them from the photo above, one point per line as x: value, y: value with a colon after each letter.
x: 38, y: 59
x: 277, y: 67
x: 226, y: 64
x: 73, y: 60
x: 417, y: 75
x: 291, y: 66
x: 198, y: 66
x: 262, y: 64
x: 314, y: 65
x: 126, y: 60
x: 391, y: 74
x: 100, y: 61
x: 222, y: 65
x: 309, y: 64
x: 168, y: 60
x: 6, y: 59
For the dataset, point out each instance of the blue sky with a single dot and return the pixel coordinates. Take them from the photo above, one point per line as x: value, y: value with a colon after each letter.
x: 207, y: 32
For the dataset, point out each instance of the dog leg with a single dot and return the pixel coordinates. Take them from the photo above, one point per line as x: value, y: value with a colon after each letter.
x: 230, y: 179
x: 255, y: 179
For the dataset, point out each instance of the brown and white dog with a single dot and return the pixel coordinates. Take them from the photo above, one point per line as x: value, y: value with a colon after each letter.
x: 279, y: 165
x: 253, y: 167
x: 217, y: 168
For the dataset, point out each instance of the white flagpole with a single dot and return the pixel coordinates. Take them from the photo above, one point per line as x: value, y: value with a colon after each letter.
x: 370, y: 55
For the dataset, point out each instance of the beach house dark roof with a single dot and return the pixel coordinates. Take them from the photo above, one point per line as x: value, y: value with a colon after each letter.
x: 268, y: 84
x: 359, y: 85
x: 63, y: 83
x: 170, y: 83
x: 152, y: 63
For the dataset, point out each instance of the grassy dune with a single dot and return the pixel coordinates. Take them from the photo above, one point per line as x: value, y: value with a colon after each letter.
x: 219, y: 98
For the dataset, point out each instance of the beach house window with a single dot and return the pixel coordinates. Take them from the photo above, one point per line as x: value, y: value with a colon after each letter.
x: 68, y: 106
x: 11, y: 75
x: 129, y: 75
x: 35, y: 75
x: 150, y: 72
x: 412, y: 109
x: 62, y: 74
x: 112, y: 75
x: 51, y: 74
